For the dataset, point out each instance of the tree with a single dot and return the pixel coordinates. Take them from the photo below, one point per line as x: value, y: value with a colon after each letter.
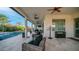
x: 3, y: 21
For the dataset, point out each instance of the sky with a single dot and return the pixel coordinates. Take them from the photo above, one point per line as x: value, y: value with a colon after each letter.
x: 29, y: 24
x: 13, y: 17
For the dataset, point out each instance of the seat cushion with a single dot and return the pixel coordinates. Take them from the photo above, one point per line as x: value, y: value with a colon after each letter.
x: 36, y: 41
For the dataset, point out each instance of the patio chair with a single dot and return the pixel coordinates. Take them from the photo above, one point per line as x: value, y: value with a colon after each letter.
x: 31, y: 47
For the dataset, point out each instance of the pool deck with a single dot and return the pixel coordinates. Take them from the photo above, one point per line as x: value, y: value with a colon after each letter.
x: 13, y: 43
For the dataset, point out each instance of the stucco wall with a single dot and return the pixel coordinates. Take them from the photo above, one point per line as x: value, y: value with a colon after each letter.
x: 69, y: 24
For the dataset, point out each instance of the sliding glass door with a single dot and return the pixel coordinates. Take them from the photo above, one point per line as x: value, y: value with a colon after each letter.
x: 59, y: 28
x: 77, y: 27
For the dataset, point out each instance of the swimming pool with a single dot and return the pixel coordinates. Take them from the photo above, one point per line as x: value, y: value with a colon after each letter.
x: 8, y: 35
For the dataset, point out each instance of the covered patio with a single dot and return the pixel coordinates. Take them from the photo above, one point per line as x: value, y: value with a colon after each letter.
x: 64, y: 21
x: 59, y: 27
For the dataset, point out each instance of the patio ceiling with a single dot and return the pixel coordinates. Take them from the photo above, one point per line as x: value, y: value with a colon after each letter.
x: 42, y: 11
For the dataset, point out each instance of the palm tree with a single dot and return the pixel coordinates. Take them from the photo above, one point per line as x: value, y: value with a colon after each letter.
x: 3, y: 20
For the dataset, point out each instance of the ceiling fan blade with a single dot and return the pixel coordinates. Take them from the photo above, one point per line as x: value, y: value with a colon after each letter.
x: 58, y: 7
x: 52, y: 12
x: 55, y: 9
x: 58, y: 10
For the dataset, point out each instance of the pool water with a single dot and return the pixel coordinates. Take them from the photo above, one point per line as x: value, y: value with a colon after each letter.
x: 9, y: 35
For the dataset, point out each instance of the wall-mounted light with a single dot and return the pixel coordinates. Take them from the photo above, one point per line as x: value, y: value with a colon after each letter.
x: 53, y: 25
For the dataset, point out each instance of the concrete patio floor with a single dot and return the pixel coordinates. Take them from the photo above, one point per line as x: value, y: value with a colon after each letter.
x: 62, y: 44
x: 13, y: 43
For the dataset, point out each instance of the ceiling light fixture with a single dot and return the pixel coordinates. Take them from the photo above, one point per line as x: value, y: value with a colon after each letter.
x: 36, y: 16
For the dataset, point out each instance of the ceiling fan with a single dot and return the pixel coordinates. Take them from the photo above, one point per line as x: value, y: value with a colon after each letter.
x: 55, y: 9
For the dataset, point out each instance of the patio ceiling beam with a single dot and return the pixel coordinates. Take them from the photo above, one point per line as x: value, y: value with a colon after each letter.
x: 17, y: 11
x: 23, y: 12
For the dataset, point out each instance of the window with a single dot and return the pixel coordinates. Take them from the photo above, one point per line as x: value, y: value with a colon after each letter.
x: 59, y: 25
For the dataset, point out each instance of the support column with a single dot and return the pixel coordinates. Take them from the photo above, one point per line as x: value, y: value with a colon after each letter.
x: 25, y: 28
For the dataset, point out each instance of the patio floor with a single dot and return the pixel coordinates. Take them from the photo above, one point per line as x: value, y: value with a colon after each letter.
x: 12, y: 44
x: 62, y: 45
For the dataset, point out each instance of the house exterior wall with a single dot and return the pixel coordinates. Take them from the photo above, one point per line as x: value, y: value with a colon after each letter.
x: 69, y: 24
